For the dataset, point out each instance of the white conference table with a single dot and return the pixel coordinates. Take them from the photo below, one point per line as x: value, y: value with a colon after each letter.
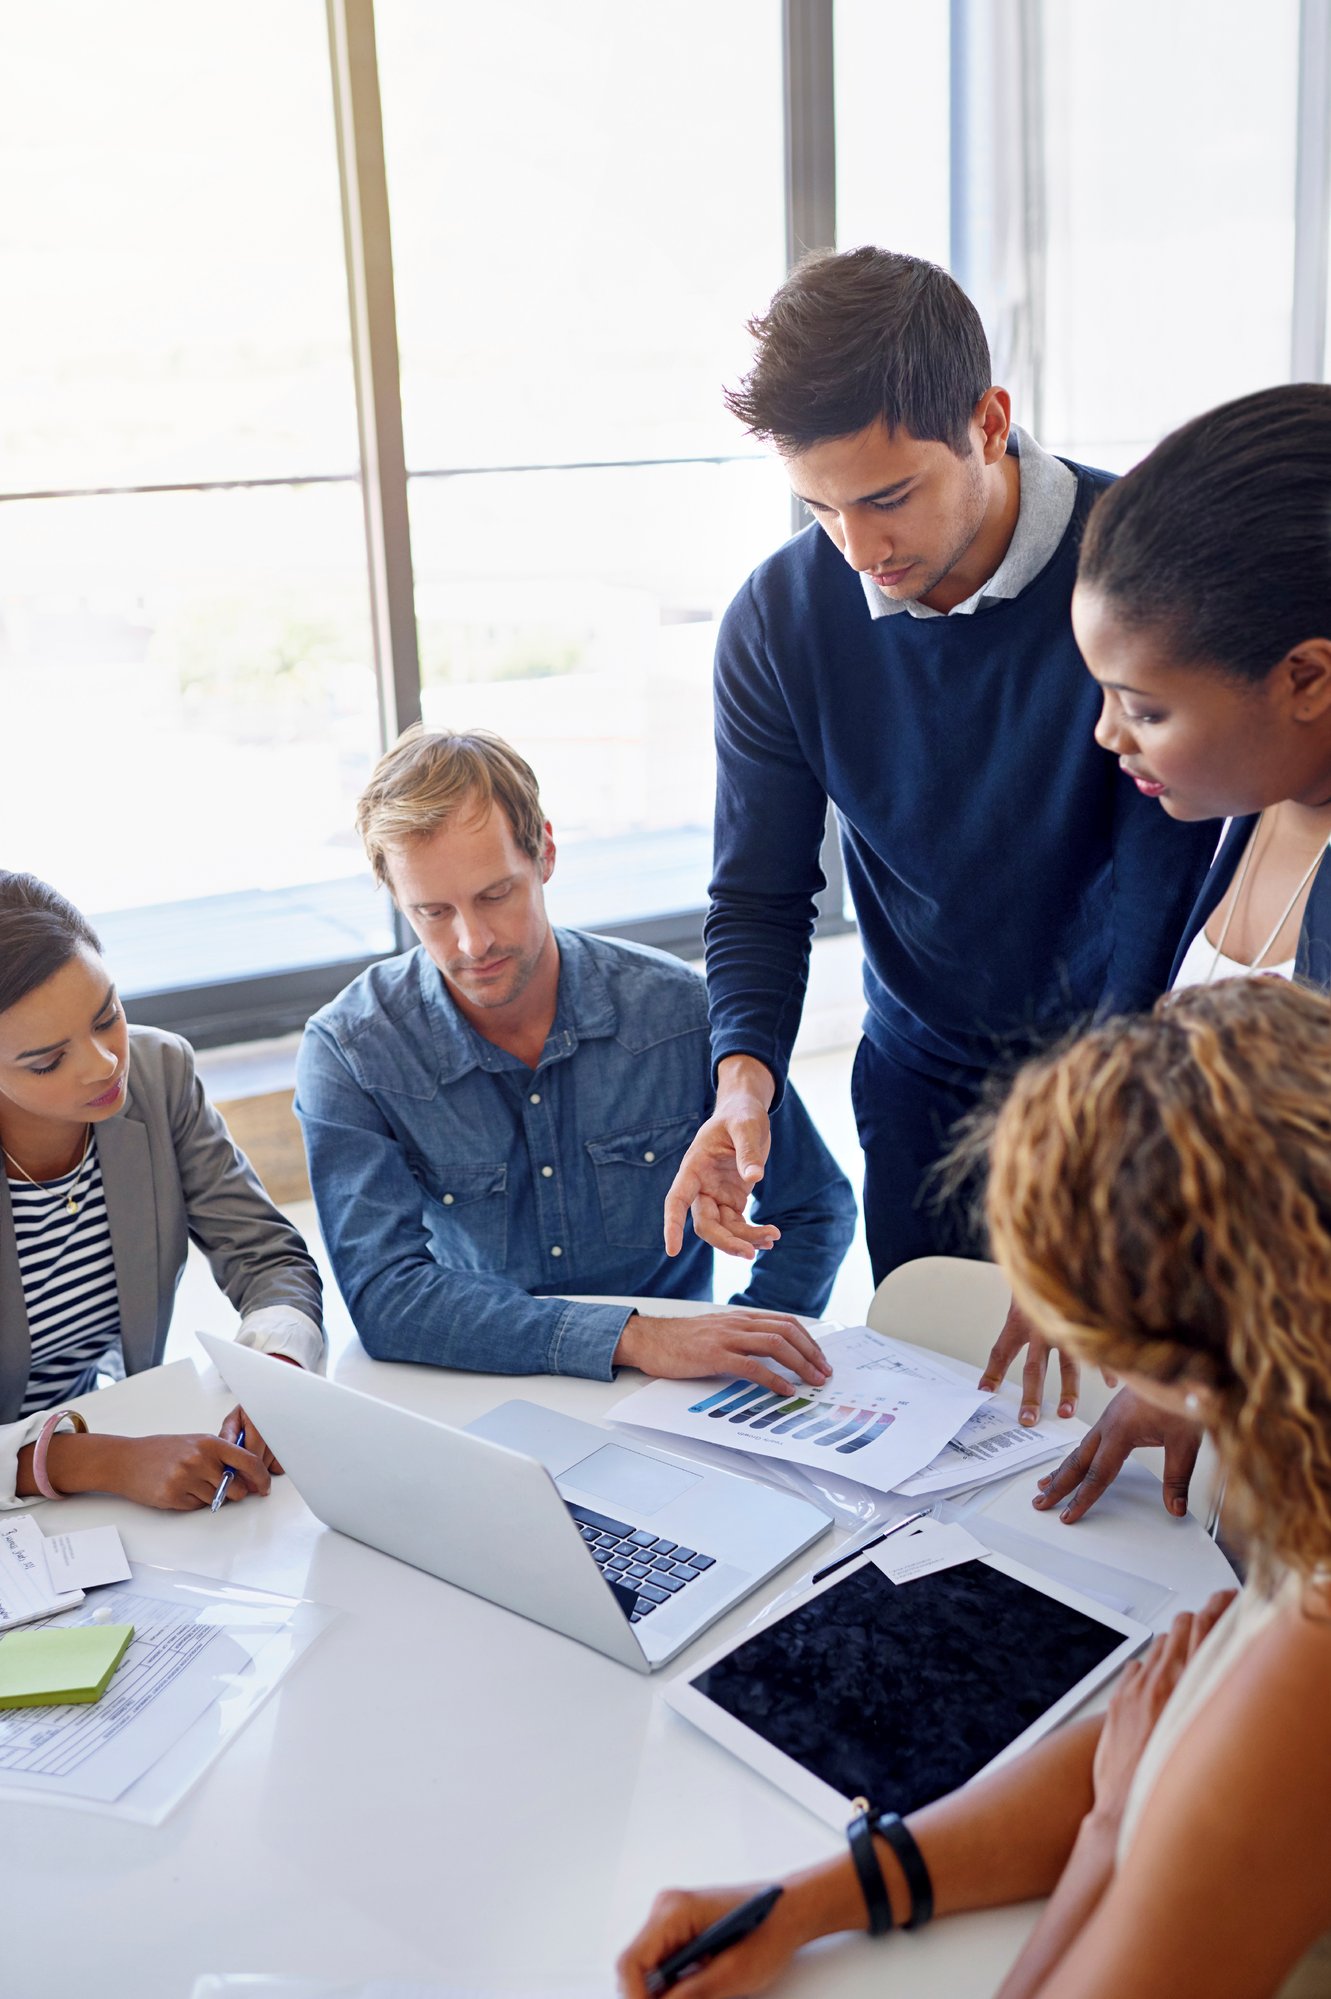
x: 441, y: 1791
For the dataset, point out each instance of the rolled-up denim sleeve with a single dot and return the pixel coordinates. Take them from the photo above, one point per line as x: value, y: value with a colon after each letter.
x: 403, y: 1303
x: 808, y: 1197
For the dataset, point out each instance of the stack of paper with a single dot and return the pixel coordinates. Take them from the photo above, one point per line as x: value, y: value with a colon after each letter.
x: 893, y: 1417
x: 39, y: 1576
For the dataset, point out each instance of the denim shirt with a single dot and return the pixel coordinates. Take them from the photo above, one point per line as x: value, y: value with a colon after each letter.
x: 457, y: 1189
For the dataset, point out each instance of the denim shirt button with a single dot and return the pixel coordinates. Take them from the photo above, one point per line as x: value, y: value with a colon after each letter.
x: 448, y: 1200
x: 649, y: 1157
x: 555, y: 1250
x: 535, y: 1097
x: 547, y: 1172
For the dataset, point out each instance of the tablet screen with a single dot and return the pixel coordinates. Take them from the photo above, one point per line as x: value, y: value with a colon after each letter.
x: 899, y: 1693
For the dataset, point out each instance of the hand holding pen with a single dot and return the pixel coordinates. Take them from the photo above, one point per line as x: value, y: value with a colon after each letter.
x: 228, y: 1474
x: 643, y: 1970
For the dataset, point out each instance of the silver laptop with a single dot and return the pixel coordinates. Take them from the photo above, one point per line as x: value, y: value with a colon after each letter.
x: 627, y: 1550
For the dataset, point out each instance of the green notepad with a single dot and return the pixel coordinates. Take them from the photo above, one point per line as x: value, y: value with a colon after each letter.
x: 72, y: 1662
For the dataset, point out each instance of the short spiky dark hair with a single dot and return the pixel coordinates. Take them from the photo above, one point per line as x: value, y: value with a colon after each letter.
x: 859, y: 335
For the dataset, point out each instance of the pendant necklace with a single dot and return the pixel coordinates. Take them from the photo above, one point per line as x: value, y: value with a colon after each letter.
x: 1285, y: 913
x: 70, y: 1203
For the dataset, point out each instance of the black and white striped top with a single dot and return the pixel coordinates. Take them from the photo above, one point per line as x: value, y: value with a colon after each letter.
x: 69, y: 1282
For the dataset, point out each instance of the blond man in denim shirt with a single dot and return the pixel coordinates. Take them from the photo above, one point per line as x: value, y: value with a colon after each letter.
x: 493, y: 1118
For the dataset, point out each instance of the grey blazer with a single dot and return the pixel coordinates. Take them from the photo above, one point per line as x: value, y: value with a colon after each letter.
x: 171, y: 1175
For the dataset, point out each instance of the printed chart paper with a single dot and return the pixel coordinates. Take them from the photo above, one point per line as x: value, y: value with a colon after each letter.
x: 886, y: 1413
x: 993, y: 1445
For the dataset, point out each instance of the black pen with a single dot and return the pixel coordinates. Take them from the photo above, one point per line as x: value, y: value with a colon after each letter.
x: 718, y: 1936
x: 865, y: 1546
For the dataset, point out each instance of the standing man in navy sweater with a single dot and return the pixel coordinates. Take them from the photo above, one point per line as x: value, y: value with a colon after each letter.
x: 910, y: 657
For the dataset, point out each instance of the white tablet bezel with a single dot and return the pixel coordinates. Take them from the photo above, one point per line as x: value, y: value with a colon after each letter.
x: 810, y: 1791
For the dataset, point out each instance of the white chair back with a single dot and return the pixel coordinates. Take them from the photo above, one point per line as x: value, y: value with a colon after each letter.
x: 956, y: 1307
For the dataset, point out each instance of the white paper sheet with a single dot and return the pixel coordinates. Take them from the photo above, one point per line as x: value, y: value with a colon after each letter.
x: 923, y: 1550
x: 27, y: 1591
x: 86, y: 1560
x: 886, y: 1413
x: 993, y: 1445
x: 203, y: 1656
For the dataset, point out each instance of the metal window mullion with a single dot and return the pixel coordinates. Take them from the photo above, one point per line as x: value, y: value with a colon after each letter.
x: 369, y: 259
x: 1312, y: 195
x: 809, y: 138
x: 809, y: 87
x: 368, y: 244
x: 998, y: 212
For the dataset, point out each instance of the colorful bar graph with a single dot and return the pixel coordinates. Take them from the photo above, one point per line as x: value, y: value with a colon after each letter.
x: 857, y: 1422
x: 871, y: 1436
x: 782, y: 1409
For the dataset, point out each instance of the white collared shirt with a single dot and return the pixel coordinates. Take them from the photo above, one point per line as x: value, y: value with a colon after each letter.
x: 1048, y: 495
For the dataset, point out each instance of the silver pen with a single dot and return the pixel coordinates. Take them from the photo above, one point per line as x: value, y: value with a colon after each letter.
x: 228, y: 1474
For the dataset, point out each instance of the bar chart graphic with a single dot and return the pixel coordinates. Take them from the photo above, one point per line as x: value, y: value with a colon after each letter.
x: 825, y: 1421
x: 885, y: 1413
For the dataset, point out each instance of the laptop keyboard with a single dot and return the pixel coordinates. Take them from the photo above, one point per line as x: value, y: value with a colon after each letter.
x: 640, y: 1564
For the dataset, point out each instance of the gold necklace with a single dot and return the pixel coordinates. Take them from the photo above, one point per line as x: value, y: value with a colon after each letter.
x: 70, y: 1203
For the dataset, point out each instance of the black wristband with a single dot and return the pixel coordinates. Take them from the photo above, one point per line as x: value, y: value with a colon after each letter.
x: 889, y: 1826
x: 872, y: 1886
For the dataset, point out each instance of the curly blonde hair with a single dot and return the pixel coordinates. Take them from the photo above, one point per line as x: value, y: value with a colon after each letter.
x: 1159, y: 1195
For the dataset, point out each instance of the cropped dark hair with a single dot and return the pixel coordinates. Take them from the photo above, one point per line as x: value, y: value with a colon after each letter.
x: 1221, y: 538
x: 40, y: 930
x: 859, y: 335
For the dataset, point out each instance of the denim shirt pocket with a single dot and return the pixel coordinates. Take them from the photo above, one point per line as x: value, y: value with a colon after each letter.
x: 634, y: 1170
x: 468, y: 1216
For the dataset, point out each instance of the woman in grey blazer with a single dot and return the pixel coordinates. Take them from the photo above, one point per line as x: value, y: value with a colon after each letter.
x: 113, y: 1161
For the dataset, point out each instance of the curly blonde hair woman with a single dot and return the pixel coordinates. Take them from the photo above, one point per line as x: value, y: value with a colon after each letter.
x: 1160, y: 1196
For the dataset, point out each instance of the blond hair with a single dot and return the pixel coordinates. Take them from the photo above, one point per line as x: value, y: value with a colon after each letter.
x: 431, y: 774
x: 1160, y: 1196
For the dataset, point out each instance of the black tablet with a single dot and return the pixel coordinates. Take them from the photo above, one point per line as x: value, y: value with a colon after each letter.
x: 900, y: 1692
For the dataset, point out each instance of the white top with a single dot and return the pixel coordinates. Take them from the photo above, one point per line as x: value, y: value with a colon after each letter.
x: 1048, y: 495
x: 1216, y: 1657
x: 1200, y: 958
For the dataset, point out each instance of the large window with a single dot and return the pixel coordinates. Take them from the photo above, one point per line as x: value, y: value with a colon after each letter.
x: 1170, y: 176
x: 186, y: 668
x: 584, y: 213
x: 240, y: 543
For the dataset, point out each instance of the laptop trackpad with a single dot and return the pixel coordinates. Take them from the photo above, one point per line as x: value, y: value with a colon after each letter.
x: 628, y: 1479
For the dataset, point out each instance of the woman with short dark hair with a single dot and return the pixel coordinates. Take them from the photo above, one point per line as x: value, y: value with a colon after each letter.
x: 114, y: 1160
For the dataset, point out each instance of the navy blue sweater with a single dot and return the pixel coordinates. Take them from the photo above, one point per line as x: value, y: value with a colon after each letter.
x: 1008, y: 880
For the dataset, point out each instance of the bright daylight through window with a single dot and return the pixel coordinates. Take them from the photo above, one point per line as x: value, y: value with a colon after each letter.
x: 584, y: 211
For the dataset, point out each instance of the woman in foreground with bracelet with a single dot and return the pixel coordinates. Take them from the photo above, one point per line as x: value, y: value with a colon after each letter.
x: 1160, y: 1197
x: 113, y: 1160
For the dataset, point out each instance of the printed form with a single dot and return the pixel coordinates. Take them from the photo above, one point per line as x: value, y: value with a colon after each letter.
x: 199, y: 1650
